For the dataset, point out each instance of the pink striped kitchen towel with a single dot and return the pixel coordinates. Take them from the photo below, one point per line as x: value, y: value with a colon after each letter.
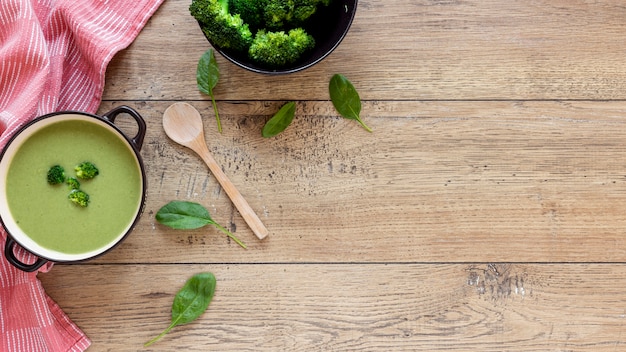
x: 53, y: 56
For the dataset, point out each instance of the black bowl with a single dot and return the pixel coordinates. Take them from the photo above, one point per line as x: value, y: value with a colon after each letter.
x: 329, y: 25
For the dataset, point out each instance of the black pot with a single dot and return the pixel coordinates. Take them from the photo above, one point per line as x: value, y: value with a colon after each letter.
x: 329, y: 25
x: 16, y: 236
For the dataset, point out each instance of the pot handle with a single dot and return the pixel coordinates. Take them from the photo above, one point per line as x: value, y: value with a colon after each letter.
x: 137, y: 140
x: 11, y: 258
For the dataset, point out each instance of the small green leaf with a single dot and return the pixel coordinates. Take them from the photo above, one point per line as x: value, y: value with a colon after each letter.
x: 190, y: 302
x: 280, y: 121
x: 207, y: 76
x: 345, y: 98
x: 193, y: 298
x: 208, y: 73
x: 183, y: 215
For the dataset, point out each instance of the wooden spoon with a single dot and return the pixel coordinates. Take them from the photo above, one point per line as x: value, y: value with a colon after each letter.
x: 183, y: 124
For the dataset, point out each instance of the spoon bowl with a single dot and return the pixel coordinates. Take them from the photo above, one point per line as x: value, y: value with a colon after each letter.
x: 183, y: 124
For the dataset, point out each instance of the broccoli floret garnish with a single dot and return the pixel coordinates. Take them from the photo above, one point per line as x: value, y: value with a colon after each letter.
x: 56, y: 175
x: 277, y: 49
x: 72, y: 183
x: 79, y: 197
x: 224, y: 29
x: 86, y: 170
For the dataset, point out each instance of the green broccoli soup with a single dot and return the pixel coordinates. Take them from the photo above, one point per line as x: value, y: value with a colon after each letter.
x: 44, y: 212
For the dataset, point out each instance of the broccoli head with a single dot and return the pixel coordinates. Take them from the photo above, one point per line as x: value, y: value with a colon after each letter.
x: 277, y: 49
x: 79, y: 197
x: 280, y: 14
x: 303, y: 10
x: 56, y: 175
x: 250, y: 11
x: 222, y: 28
x: 72, y: 183
x: 86, y: 170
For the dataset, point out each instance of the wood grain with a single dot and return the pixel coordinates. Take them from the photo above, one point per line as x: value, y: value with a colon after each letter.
x: 484, y: 212
x: 407, y: 49
x: 183, y: 124
x: 360, y: 307
x: 487, y: 181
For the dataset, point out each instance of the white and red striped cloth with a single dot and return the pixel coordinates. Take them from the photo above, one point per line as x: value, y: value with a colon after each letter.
x: 53, y: 56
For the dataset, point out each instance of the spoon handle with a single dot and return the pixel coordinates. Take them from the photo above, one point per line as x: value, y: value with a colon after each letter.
x: 240, y: 202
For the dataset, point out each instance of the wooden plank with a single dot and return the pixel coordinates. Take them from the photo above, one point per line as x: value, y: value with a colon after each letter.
x: 407, y: 49
x: 352, y: 307
x: 498, y: 146
x: 487, y: 181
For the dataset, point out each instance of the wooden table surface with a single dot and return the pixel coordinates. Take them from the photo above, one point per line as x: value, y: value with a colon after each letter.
x: 485, y: 212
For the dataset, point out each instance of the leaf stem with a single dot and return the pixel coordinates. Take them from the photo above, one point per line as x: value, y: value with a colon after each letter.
x: 358, y: 118
x: 160, y: 335
x: 363, y: 124
x: 217, y: 115
x: 221, y: 228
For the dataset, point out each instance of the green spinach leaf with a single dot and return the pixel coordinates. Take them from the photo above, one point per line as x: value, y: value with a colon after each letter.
x: 345, y: 98
x: 207, y: 76
x: 184, y: 215
x: 190, y: 302
x: 280, y: 121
